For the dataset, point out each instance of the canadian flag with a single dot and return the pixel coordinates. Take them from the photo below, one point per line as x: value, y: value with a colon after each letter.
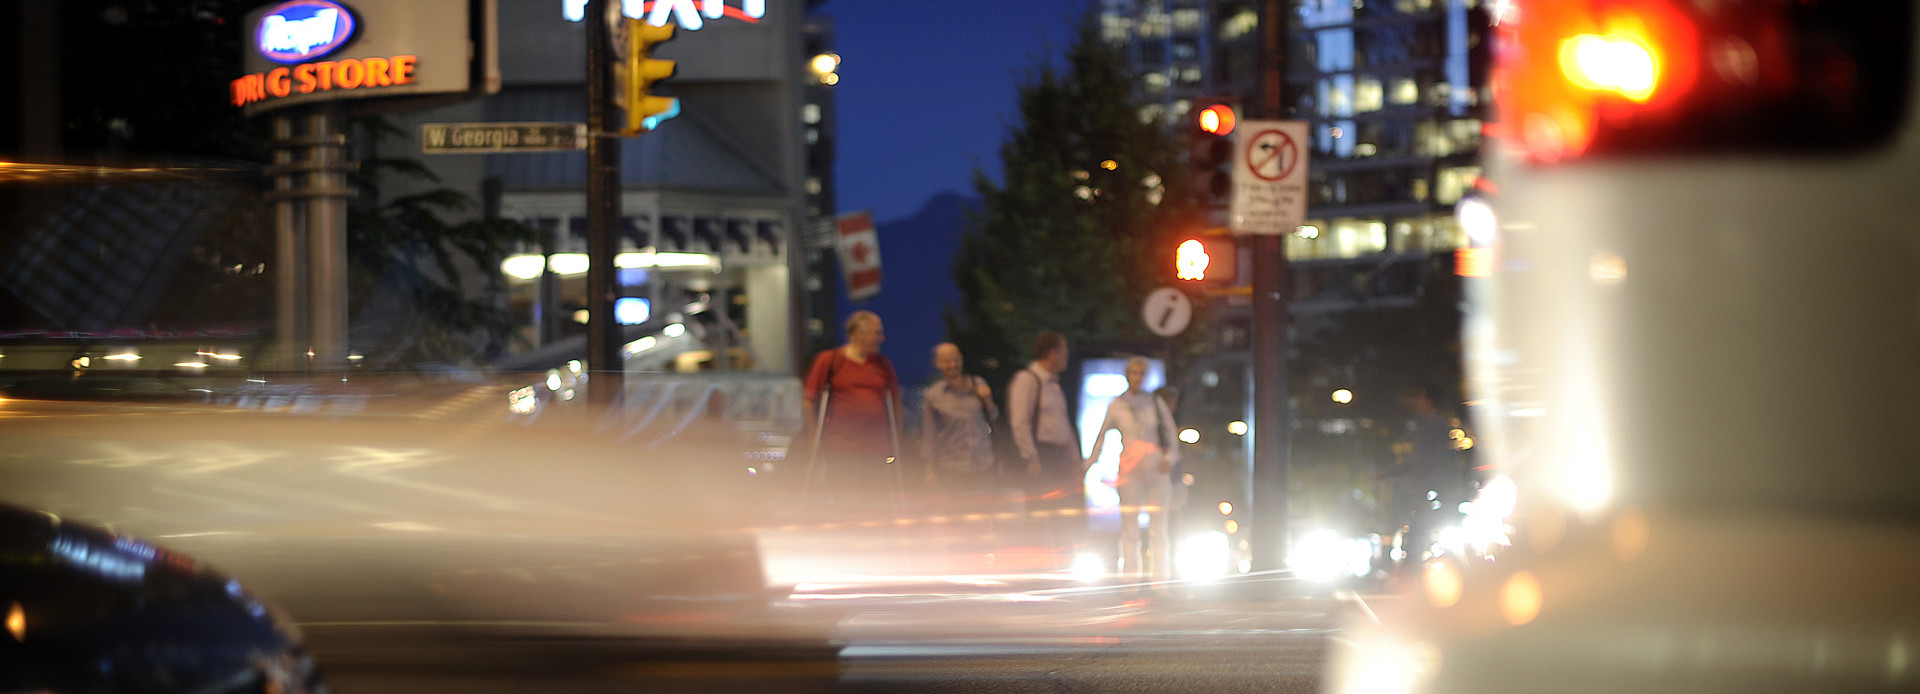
x: 860, y: 255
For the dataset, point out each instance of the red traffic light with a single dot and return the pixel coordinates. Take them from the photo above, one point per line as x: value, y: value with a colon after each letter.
x: 1217, y: 119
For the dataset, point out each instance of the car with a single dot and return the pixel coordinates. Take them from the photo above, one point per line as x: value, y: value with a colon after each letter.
x: 1692, y: 353
x: 92, y: 610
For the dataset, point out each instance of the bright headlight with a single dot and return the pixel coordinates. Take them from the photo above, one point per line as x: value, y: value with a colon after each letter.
x: 1379, y: 666
x: 1203, y: 556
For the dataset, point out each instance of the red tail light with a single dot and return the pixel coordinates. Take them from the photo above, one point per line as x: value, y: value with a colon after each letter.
x: 1585, y: 77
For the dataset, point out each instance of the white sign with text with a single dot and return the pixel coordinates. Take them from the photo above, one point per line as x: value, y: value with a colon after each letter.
x: 1269, y: 177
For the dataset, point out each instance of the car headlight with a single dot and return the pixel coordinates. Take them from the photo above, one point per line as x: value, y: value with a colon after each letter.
x: 1386, y: 666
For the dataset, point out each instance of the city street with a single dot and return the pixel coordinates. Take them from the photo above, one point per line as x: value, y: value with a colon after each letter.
x: 436, y: 549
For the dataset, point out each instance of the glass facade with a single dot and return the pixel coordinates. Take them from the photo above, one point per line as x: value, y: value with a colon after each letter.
x: 1394, y: 98
x: 1394, y: 91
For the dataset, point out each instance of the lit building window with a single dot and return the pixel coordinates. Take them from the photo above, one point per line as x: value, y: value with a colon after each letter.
x: 1190, y: 75
x: 813, y: 136
x: 1239, y: 25
x: 1186, y: 21
x: 1406, y: 92
x: 1368, y: 95
x: 810, y: 113
x: 813, y: 185
x: 1152, y: 112
x: 1156, y: 81
x: 1454, y: 182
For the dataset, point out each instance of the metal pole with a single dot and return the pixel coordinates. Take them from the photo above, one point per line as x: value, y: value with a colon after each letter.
x: 290, y: 276
x: 326, y: 239
x: 1271, y: 418
x: 814, y: 465
x: 603, y: 213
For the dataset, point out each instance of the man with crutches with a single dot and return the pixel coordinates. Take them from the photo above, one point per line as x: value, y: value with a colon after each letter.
x: 853, y: 408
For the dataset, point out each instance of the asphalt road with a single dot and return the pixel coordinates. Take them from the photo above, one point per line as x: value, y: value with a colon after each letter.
x: 429, y: 547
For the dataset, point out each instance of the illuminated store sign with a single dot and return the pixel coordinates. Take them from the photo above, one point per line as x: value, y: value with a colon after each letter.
x: 690, y: 14
x: 307, y: 78
x: 301, y: 30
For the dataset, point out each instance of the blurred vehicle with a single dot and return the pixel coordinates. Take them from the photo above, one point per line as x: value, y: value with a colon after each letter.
x: 91, y: 610
x: 1692, y: 355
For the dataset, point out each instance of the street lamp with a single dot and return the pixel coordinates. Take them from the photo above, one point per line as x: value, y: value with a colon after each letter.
x: 1343, y: 396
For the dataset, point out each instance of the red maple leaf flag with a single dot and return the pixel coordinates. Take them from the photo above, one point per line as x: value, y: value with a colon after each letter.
x: 859, y: 255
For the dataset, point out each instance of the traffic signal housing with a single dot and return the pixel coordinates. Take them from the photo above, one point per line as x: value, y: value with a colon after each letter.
x: 635, y: 75
x: 1206, y: 260
x: 1210, y: 155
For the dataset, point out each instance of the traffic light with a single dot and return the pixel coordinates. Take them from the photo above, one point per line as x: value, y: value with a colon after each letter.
x: 1210, y: 155
x: 635, y: 75
x: 1206, y: 259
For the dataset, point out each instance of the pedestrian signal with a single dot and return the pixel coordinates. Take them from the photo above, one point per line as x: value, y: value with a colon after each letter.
x: 1206, y: 259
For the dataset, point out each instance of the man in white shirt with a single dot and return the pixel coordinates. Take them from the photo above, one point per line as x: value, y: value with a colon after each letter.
x: 1043, y: 433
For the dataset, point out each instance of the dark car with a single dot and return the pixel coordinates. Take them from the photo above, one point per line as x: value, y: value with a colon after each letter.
x: 88, y: 610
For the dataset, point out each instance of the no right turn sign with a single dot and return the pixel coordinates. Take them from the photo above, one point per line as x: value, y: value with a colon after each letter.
x: 1269, y: 178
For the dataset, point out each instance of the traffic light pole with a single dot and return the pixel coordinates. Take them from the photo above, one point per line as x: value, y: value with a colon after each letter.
x: 603, y: 213
x: 1271, y: 415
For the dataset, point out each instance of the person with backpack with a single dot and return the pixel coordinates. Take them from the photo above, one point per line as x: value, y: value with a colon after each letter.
x: 956, y: 425
x: 1147, y: 456
x: 1048, y: 447
x: 852, y: 396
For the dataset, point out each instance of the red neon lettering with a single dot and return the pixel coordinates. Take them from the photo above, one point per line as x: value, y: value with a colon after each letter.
x: 349, y: 73
x: 259, y: 86
x: 377, y: 72
x: 324, y: 70
x: 403, y: 68
x: 277, y: 82
x: 304, y: 75
x: 239, y: 87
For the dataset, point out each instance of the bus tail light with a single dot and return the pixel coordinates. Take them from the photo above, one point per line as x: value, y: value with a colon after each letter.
x: 1578, y: 78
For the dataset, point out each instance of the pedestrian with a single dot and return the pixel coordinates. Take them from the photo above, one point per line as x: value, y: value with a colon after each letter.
x: 1147, y: 457
x: 861, y: 395
x: 956, y: 425
x: 1048, y: 447
x: 1427, y: 480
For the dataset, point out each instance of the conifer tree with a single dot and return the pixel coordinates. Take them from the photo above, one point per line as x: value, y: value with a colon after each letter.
x: 1077, y: 233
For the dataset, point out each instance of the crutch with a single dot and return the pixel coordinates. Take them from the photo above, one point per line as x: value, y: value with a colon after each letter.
x: 813, y: 458
x: 893, y: 463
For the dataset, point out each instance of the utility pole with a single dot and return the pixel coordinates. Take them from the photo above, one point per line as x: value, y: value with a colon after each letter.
x: 1271, y: 416
x: 608, y: 373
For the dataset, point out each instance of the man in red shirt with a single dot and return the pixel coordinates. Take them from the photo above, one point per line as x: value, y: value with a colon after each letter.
x: 857, y: 384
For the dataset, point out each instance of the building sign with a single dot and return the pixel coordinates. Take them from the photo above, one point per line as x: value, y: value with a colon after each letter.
x: 304, y: 51
x: 691, y: 15
x: 308, y: 78
x: 302, y: 30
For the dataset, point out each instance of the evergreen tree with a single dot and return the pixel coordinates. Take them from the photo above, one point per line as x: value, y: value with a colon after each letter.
x: 1076, y: 236
x: 409, y: 265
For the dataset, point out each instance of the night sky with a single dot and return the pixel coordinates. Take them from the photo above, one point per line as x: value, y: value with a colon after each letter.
x: 926, y: 96
x: 927, y: 88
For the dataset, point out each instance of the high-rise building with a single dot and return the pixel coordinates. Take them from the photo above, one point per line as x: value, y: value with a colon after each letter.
x: 1394, y: 92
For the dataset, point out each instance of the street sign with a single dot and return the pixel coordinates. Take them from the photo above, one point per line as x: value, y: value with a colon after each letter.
x: 480, y: 138
x: 1269, y: 178
x: 1167, y: 311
